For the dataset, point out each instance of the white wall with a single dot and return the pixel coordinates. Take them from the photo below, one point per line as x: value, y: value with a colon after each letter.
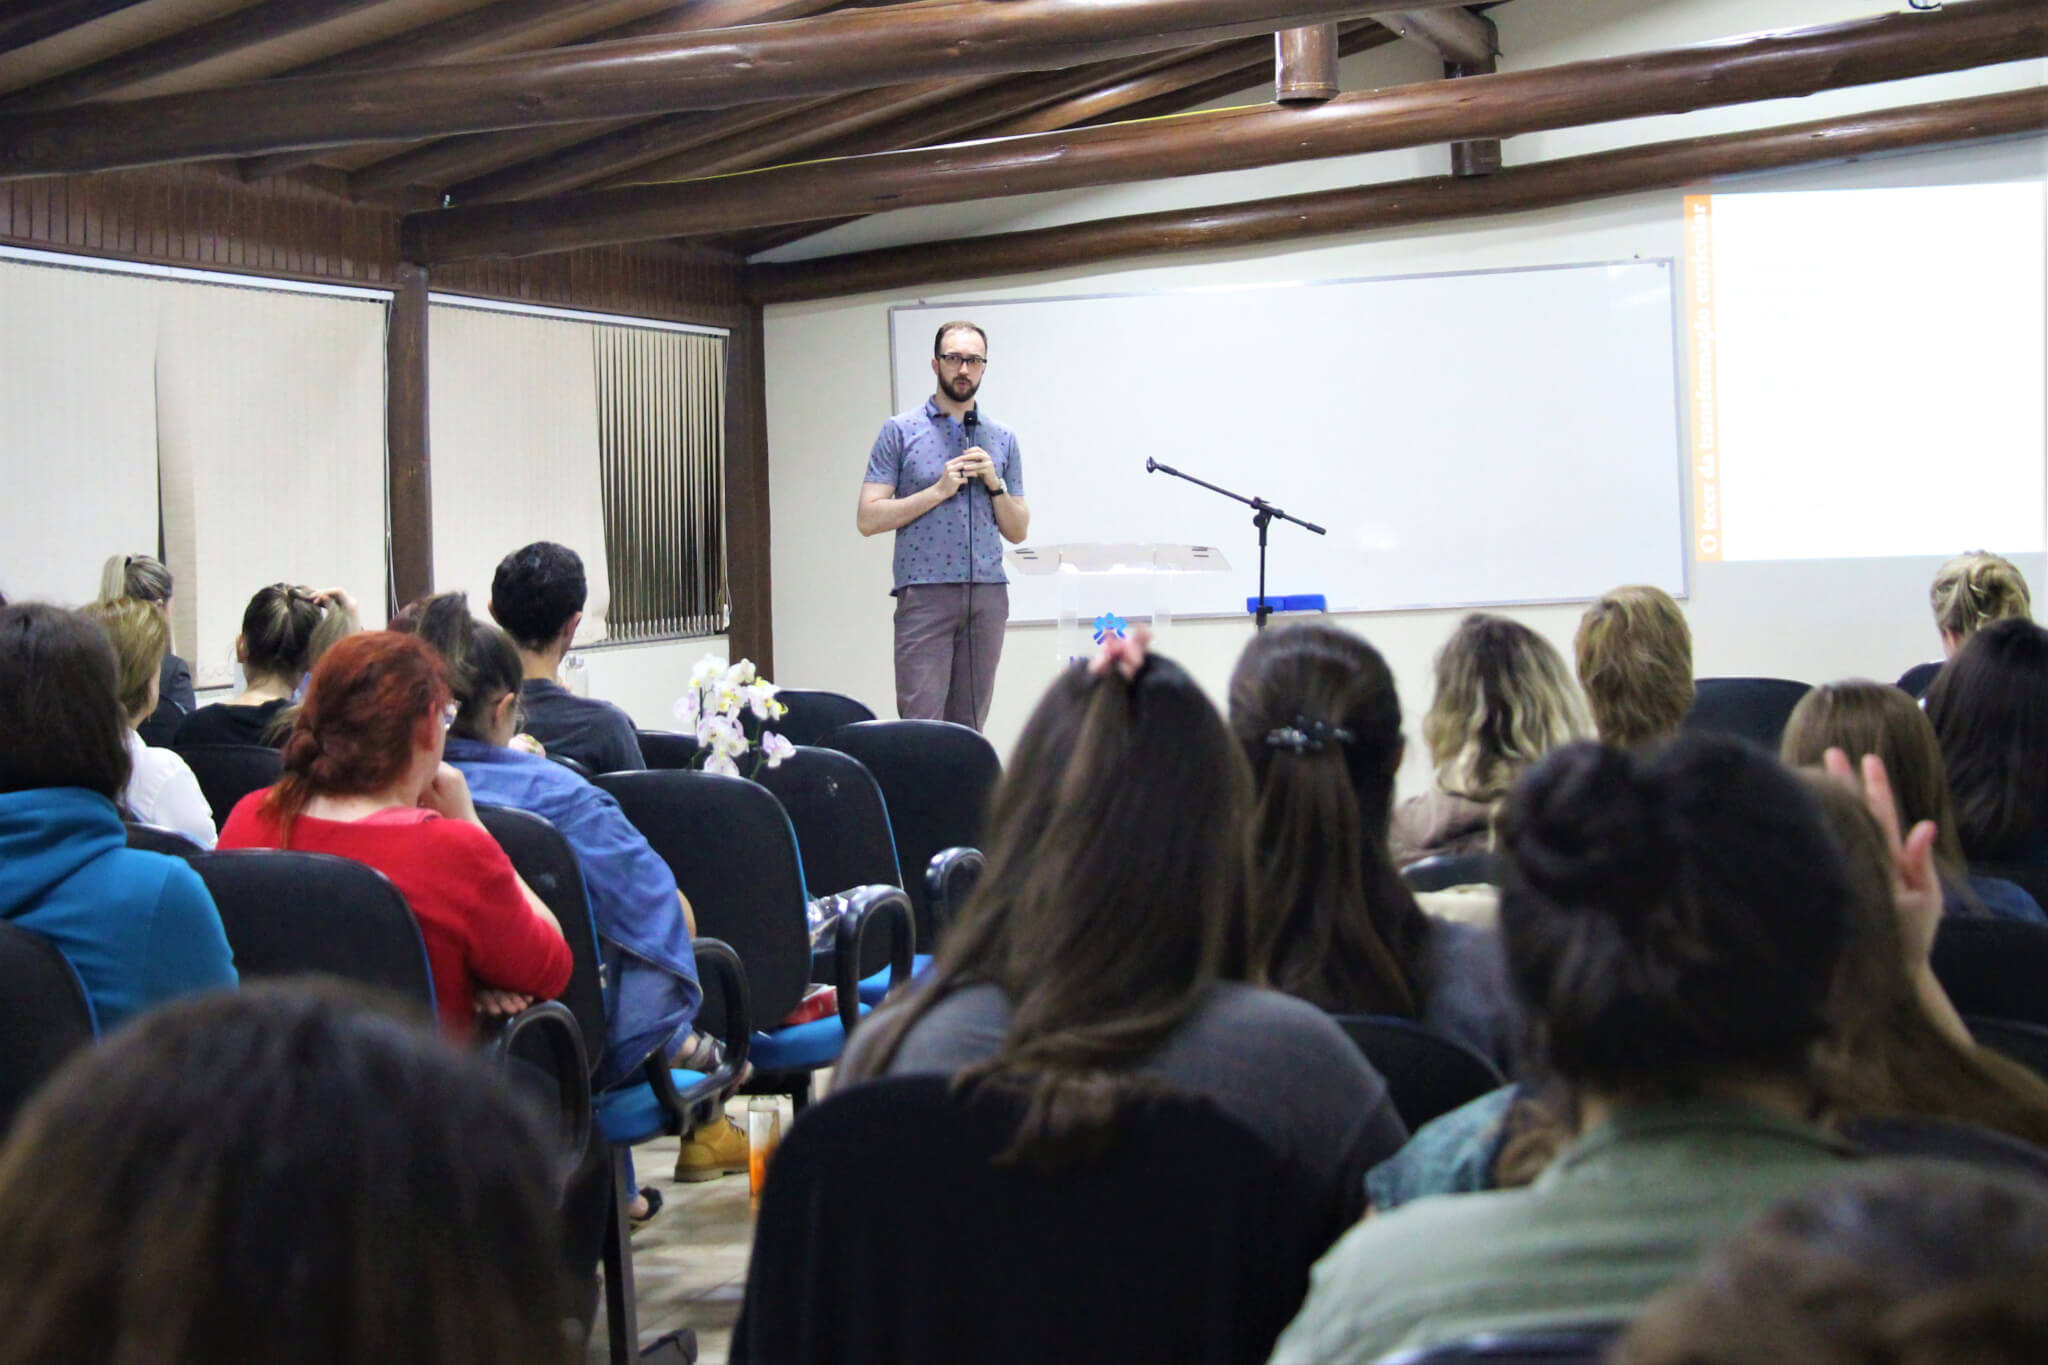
x: 828, y: 368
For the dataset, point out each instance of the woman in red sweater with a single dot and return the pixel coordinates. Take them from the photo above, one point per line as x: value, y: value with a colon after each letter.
x: 363, y: 779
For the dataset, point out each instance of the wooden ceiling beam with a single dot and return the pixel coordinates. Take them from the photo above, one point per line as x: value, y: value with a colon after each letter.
x: 1777, y: 65
x: 25, y: 21
x: 511, y: 25
x: 851, y: 50
x: 1458, y: 36
x: 1406, y: 203
x: 230, y: 33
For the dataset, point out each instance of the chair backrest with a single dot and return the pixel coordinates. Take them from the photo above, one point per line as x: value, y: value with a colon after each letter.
x: 1442, y: 871
x: 840, y: 818
x: 157, y: 839
x: 229, y: 772
x: 292, y: 914
x: 1427, y: 1073
x: 1754, y: 709
x: 573, y: 765
x: 1578, y: 1346
x: 734, y: 856
x: 2024, y: 1043
x: 814, y: 715
x: 1187, y: 1239
x: 937, y: 778
x: 1994, y: 968
x: 667, y: 749
x: 46, y: 1017
x: 949, y: 879
x: 545, y: 861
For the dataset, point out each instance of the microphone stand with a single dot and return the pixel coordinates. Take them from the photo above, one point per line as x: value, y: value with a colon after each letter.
x: 1264, y: 514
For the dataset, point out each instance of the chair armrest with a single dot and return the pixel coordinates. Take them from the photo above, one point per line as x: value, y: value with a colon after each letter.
x: 869, y: 908
x: 948, y: 878
x: 716, y: 957
x: 552, y: 1021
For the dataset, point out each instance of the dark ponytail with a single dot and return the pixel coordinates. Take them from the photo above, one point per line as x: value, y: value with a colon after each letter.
x: 482, y: 662
x: 1670, y: 915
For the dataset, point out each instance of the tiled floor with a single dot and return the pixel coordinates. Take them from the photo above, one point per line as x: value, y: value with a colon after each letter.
x: 690, y: 1263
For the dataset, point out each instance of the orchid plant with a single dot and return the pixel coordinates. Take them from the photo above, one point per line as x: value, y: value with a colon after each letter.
x: 720, y: 693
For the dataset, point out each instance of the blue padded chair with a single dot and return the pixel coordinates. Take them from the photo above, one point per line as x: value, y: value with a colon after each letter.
x: 229, y: 772
x: 937, y: 778
x: 1754, y: 709
x: 157, y: 839
x: 843, y: 836
x: 47, y: 1018
x: 735, y: 857
x: 813, y: 715
x: 1427, y: 1073
x: 663, y: 1101
x: 667, y: 749
x: 949, y: 879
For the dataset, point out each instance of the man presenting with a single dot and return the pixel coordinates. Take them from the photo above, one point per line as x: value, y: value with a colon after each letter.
x: 950, y: 483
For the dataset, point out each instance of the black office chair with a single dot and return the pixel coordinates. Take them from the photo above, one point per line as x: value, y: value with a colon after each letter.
x: 2024, y: 1043
x: 843, y: 835
x: 1427, y: 1073
x: 1186, y: 1240
x: 937, y: 778
x: 1994, y: 968
x: 734, y: 856
x: 229, y: 772
x: 575, y: 766
x: 1442, y: 871
x: 1754, y: 709
x: 47, y: 1016
x: 663, y: 1101
x: 813, y: 715
x: 1578, y: 1346
x: 949, y: 879
x: 667, y: 749
x: 157, y: 839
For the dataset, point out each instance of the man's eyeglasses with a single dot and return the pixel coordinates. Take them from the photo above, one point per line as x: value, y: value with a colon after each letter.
x: 964, y: 362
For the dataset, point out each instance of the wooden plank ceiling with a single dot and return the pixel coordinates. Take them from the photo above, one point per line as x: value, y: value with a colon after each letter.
x: 587, y: 120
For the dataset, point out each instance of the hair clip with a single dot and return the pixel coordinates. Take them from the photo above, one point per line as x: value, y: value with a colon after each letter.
x: 1307, y: 736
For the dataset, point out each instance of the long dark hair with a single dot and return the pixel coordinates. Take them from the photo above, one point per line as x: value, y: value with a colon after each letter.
x: 482, y: 662
x: 279, y: 1174
x: 1671, y: 915
x: 1317, y: 715
x: 1116, y: 876
x: 1989, y: 706
x: 60, y: 709
x: 1859, y: 718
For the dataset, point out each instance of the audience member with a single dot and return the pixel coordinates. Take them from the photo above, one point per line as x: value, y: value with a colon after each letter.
x: 161, y: 790
x: 1634, y: 653
x: 138, y: 927
x: 279, y: 1175
x: 1087, y: 965
x: 537, y: 596
x: 144, y: 578
x: 1903, y: 1264
x: 1871, y: 718
x: 1504, y: 698
x: 1990, y: 714
x: 1969, y: 592
x: 642, y: 920
x: 1332, y: 923
x: 1673, y: 919
x: 363, y: 778
x: 285, y: 630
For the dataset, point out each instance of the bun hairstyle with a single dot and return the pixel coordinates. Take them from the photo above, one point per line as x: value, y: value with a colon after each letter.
x: 1973, y: 589
x: 483, y: 664
x: 1670, y: 915
x: 1989, y: 706
x: 1315, y: 711
x: 373, y: 700
x: 141, y: 636
x: 142, y: 577
x: 1115, y: 885
x: 285, y: 630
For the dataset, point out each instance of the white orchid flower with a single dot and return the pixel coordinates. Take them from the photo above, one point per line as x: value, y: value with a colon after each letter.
x: 740, y: 674
x: 775, y: 748
x: 708, y: 671
x: 719, y: 763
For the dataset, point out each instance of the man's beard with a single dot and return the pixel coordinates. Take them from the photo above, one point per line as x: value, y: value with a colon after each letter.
x: 953, y: 388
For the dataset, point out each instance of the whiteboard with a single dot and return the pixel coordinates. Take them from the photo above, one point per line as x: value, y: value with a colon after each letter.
x: 1468, y: 439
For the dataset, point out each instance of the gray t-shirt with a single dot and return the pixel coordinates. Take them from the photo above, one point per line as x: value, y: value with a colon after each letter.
x: 957, y: 541
x: 1273, y: 1063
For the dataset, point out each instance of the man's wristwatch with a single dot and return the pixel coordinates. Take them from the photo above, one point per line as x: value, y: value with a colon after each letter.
x: 1002, y: 487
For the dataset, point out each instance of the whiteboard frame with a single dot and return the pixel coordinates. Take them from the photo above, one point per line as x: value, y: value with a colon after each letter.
x: 1681, y: 437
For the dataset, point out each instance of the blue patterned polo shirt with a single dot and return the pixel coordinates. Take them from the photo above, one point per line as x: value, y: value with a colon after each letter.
x: 957, y: 541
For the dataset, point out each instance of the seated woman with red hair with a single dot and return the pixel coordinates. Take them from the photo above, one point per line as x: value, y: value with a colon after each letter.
x: 363, y: 779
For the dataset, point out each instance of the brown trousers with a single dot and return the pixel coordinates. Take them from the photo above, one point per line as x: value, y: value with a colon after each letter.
x: 949, y: 639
